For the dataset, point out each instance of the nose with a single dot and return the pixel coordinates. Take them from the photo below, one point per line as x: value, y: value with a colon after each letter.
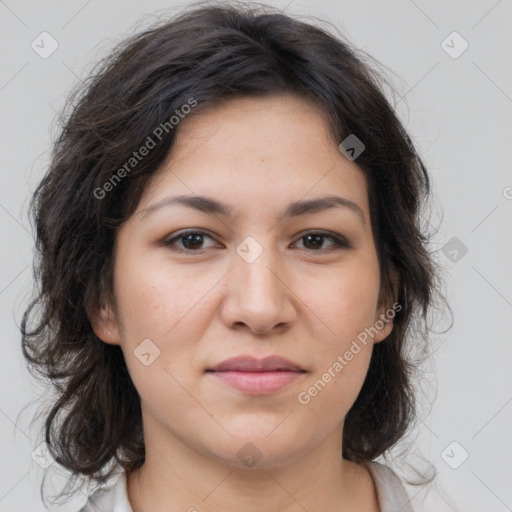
x: 258, y: 297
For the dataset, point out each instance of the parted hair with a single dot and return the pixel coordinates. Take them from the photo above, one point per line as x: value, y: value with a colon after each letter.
x: 209, y: 52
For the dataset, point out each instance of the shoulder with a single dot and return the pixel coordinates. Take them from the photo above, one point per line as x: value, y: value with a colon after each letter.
x: 112, y: 497
x: 390, y: 490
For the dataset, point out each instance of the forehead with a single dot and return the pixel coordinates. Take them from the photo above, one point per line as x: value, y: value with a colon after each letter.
x: 264, y: 150
x: 272, y: 112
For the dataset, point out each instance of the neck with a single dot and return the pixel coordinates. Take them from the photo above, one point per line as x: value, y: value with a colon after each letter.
x: 181, y: 478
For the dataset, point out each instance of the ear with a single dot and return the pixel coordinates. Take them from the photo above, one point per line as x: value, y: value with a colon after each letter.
x: 105, y: 325
x: 388, y: 306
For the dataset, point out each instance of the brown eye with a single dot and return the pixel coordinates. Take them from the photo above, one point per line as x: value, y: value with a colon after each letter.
x: 314, y: 241
x: 191, y: 241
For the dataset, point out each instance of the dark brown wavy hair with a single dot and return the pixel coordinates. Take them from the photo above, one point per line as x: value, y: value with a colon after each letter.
x: 210, y: 53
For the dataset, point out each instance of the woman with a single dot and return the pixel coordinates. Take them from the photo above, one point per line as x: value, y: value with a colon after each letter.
x: 230, y: 266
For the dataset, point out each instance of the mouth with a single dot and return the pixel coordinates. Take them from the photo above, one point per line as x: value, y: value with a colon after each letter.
x: 257, y: 376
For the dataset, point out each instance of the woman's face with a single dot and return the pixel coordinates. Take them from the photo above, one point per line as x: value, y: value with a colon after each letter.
x: 200, y: 282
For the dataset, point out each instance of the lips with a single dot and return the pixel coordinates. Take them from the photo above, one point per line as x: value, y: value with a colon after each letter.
x: 257, y: 376
x: 251, y: 364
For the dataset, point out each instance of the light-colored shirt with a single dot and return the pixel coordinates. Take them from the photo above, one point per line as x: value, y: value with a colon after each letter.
x: 390, y: 493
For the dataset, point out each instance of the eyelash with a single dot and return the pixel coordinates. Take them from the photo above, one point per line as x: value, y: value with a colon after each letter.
x: 338, y: 243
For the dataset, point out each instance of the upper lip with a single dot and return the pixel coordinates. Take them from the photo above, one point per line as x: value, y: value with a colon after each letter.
x: 252, y: 364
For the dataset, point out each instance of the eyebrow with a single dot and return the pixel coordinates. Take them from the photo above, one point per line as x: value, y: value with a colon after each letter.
x: 297, y: 208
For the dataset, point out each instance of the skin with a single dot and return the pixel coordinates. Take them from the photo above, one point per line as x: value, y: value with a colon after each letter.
x: 300, y: 300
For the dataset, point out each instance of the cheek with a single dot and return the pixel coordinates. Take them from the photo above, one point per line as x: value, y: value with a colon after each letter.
x: 345, y: 303
x: 151, y: 299
x: 346, y: 300
x: 167, y: 307
x: 158, y: 318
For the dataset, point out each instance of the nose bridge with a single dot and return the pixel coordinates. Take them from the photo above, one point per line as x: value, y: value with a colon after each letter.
x: 256, y: 268
x: 257, y: 295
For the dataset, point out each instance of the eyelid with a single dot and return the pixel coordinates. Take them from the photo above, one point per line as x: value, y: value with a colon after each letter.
x: 339, y: 241
x: 176, y: 236
x: 326, y: 234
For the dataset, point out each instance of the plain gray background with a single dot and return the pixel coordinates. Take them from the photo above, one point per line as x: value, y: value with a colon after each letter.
x: 458, y: 110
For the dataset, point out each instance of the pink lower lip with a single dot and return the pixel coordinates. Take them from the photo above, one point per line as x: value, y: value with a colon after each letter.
x: 258, y: 383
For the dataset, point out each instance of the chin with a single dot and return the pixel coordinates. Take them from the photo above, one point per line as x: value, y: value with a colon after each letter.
x: 260, y: 450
